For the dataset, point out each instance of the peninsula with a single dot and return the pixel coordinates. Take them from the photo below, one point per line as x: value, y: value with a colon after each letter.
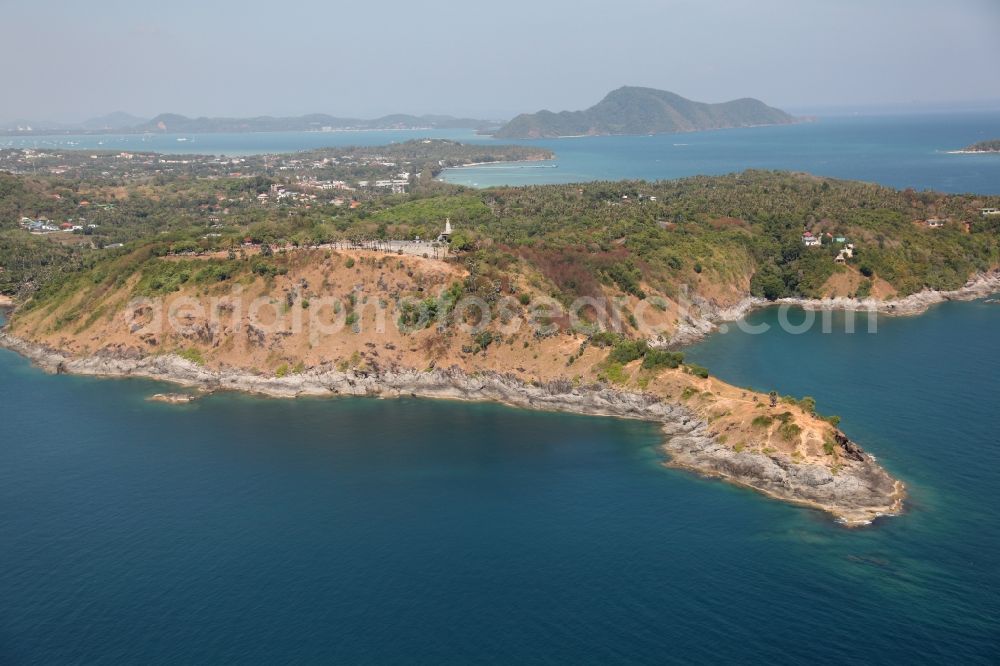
x: 992, y: 146
x: 634, y: 110
x: 355, y: 272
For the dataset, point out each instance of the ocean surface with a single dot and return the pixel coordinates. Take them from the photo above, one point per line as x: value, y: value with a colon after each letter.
x: 246, y: 143
x: 240, y: 529
x: 901, y: 151
x: 898, y: 151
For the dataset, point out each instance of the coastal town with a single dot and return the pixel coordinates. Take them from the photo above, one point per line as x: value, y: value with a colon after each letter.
x: 390, y: 169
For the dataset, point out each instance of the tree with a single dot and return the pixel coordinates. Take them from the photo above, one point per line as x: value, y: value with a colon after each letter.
x: 768, y: 283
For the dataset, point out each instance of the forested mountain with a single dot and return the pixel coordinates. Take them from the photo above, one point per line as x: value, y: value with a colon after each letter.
x: 632, y: 110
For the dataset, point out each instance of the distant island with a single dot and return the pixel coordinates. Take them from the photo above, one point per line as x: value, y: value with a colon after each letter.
x: 991, y: 146
x: 634, y: 110
x: 171, y: 122
x: 123, y: 123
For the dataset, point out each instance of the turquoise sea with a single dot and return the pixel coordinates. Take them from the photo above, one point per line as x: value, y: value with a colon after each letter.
x: 897, y: 150
x: 246, y: 530
x: 239, y: 529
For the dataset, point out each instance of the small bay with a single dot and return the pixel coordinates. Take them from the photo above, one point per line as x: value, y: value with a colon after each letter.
x: 370, y: 531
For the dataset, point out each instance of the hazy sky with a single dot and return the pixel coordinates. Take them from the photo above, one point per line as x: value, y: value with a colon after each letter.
x: 68, y: 60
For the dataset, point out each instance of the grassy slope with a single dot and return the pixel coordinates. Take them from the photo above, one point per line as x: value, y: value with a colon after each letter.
x: 95, y: 311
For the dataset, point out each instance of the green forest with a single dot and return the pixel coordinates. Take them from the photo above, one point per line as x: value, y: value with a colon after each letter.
x: 732, y: 230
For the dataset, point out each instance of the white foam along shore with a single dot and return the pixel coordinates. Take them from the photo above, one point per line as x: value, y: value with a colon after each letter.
x: 706, y: 316
x: 856, y: 494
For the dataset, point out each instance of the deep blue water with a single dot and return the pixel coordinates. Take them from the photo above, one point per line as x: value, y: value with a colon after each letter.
x: 402, y: 531
x: 900, y: 151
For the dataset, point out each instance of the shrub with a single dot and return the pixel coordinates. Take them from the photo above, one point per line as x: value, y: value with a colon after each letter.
x: 626, y: 351
x: 604, y: 339
x: 697, y: 370
x: 656, y: 358
x: 193, y: 355
x: 615, y: 373
x: 808, y: 403
x: 484, y: 339
x: 627, y: 276
x: 789, y: 431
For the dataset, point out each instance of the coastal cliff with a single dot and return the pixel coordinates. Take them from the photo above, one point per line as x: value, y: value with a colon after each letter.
x: 856, y: 492
x: 360, y: 322
x: 705, y: 316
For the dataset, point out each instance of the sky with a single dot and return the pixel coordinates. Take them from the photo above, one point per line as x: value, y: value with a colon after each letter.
x: 70, y: 60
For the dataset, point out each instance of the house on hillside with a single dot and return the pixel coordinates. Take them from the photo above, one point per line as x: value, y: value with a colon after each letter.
x: 809, y: 240
x: 845, y: 254
x: 986, y: 212
x: 935, y: 223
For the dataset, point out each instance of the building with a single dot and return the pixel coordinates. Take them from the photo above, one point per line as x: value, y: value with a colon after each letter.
x: 935, y: 222
x: 445, y: 236
x: 811, y: 241
x: 985, y: 212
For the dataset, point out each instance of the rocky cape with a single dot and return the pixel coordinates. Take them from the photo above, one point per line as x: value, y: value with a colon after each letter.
x: 705, y: 316
x: 856, y: 493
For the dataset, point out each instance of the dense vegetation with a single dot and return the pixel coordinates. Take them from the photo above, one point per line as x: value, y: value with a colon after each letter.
x: 633, y: 110
x: 741, y: 231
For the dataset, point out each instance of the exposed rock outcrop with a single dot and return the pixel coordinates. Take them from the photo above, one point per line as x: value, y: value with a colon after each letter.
x: 859, y: 491
x: 705, y: 316
x: 173, y: 398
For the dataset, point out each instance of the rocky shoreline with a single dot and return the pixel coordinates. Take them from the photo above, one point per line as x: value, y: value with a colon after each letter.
x: 707, y: 316
x: 856, y: 494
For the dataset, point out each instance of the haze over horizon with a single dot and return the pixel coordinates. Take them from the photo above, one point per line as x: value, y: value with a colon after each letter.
x: 74, y: 61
